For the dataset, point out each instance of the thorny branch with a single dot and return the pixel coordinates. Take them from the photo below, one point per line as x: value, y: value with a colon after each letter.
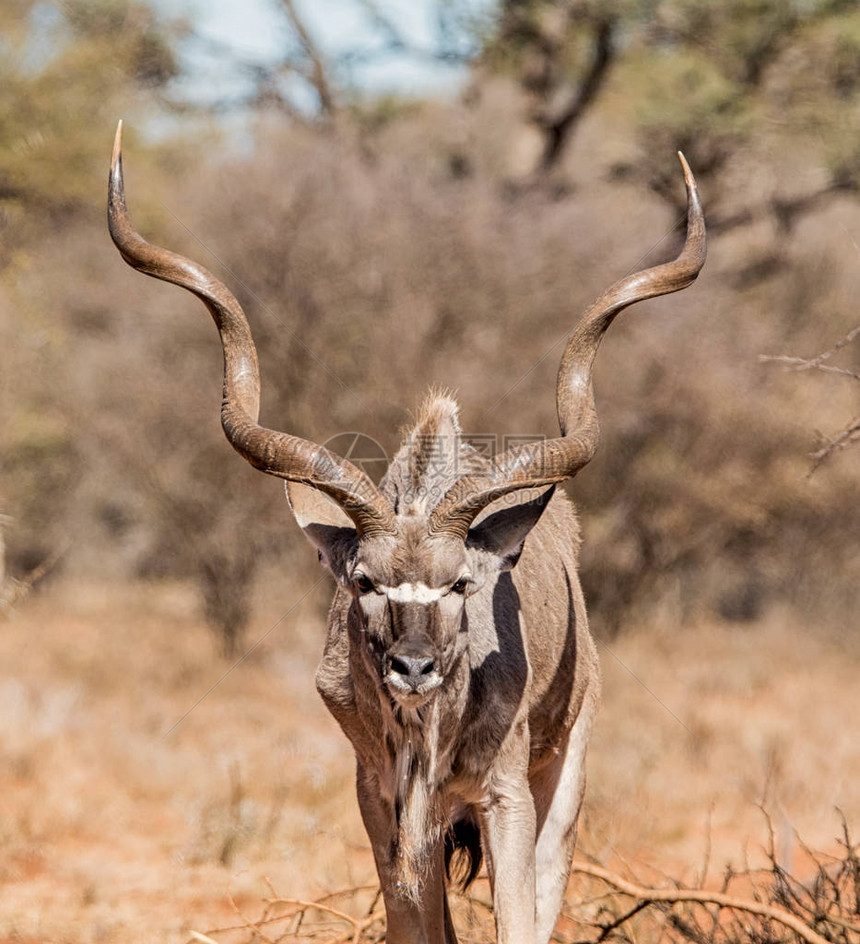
x: 775, y: 908
x: 13, y: 591
x: 318, y: 73
x: 817, y: 362
x: 674, y: 895
x: 394, y: 41
x: 557, y: 129
x: 292, y: 915
x: 850, y: 433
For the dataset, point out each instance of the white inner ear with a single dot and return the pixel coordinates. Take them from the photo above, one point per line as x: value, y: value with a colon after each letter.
x: 519, y: 497
x: 311, y: 506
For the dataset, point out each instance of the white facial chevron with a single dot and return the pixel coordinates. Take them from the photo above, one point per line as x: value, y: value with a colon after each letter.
x: 412, y: 593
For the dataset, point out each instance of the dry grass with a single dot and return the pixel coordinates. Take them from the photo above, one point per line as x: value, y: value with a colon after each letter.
x: 110, y: 831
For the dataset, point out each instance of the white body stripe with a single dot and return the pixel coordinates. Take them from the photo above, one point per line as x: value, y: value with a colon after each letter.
x: 412, y: 593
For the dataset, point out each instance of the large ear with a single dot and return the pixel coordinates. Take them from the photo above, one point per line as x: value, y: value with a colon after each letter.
x: 326, y: 526
x: 503, y: 533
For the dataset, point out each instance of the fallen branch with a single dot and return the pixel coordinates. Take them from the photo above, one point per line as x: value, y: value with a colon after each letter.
x: 672, y: 895
x: 296, y: 912
x: 358, y: 924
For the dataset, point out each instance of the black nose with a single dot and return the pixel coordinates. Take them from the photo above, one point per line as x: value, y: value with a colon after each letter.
x: 413, y: 667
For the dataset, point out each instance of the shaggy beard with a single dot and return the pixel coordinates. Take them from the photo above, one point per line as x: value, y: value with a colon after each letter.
x: 421, y: 819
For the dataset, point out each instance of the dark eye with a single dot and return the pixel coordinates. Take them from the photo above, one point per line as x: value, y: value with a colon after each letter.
x: 460, y: 585
x: 364, y: 584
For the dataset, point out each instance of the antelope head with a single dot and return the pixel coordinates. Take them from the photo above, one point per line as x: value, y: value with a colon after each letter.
x: 410, y: 585
x: 410, y: 565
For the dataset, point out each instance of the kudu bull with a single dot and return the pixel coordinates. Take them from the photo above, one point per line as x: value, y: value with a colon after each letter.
x: 457, y: 659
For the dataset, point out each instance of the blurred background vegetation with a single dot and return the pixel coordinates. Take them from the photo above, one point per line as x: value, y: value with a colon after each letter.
x: 381, y: 244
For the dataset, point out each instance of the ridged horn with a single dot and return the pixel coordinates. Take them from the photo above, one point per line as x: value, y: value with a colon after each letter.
x: 554, y: 460
x: 288, y: 457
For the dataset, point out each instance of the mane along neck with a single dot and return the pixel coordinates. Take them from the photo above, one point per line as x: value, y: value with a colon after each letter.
x: 433, y: 457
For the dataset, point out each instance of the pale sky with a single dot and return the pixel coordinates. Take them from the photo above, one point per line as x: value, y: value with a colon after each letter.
x: 255, y: 29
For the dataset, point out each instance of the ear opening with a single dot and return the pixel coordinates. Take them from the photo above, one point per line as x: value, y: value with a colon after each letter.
x: 325, y: 524
x: 504, y: 532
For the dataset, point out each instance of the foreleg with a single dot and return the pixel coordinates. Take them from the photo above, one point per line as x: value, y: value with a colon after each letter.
x: 422, y: 918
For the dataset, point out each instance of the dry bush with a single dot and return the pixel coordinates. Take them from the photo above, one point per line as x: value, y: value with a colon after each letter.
x: 369, y: 275
x: 768, y: 905
x: 399, y: 278
x: 754, y: 906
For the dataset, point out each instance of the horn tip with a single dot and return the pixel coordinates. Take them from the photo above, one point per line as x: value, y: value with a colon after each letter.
x: 116, y: 157
x: 694, y: 206
x: 689, y: 179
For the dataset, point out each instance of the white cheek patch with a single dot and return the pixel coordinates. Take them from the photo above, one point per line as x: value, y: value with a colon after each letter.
x: 412, y: 593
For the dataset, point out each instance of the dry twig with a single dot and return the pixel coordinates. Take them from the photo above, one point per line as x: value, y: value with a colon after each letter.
x: 673, y: 895
x: 775, y: 907
x: 850, y: 433
x: 14, y: 591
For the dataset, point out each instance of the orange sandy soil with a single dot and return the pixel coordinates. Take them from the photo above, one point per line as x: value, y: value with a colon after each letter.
x: 112, y: 830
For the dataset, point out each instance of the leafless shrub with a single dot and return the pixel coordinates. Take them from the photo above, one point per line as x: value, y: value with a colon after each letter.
x: 369, y: 277
x: 762, y: 906
x: 293, y: 919
x: 765, y: 906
